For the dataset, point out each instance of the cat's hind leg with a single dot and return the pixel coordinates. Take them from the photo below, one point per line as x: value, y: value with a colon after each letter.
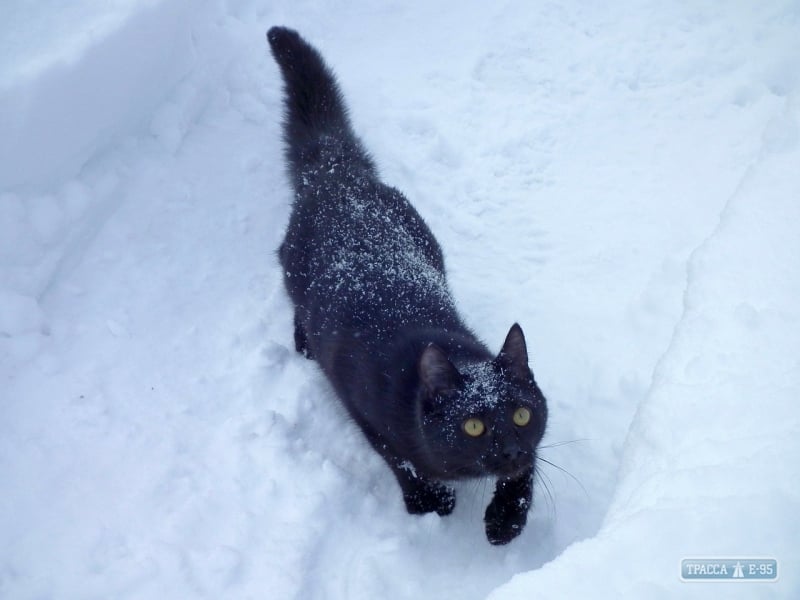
x: 301, y: 338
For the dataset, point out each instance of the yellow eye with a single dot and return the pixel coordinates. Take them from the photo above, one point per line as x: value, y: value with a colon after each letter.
x: 474, y: 427
x: 522, y: 416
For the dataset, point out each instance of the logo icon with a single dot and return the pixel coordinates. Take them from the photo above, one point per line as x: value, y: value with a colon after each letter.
x: 737, y: 571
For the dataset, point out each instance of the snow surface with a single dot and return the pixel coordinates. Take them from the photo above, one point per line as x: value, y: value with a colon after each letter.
x: 622, y: 179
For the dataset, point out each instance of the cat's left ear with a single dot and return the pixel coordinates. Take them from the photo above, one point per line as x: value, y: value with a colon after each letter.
x: 514, y: 355
x: 436, y: 371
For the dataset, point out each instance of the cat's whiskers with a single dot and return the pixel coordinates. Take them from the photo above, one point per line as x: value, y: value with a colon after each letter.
x: 564, y: 443
x: 563, y: 470
x: 550, y: 500
x: 477, y: 497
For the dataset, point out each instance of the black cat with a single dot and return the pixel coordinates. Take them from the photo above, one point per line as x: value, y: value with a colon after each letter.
x: 372, y: 306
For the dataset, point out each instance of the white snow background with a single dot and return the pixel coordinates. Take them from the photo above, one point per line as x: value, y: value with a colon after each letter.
x: 621, y: 178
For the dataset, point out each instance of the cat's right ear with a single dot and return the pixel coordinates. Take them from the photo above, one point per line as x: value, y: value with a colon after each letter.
x: 514, y: 355
x: 436, y: 372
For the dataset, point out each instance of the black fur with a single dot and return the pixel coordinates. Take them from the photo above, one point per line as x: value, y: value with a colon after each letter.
x: 372, y: 306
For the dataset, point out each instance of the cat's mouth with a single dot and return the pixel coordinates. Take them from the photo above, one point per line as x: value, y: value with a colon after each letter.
x: 510, y: 467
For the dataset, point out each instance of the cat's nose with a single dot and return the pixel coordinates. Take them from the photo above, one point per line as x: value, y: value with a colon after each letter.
x: 511, y: 459
x: 512, y: 452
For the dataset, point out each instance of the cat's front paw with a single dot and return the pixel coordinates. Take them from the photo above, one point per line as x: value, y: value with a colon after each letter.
x: 430, y: 497
x: 505, y: 519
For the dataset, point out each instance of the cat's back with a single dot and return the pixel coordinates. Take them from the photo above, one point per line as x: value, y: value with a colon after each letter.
x: 375, y: 263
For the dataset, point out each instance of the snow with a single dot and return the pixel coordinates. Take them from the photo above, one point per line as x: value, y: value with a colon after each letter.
x: 620, y: 179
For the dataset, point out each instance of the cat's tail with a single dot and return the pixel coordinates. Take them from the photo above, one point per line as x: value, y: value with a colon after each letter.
x: 313, y: 103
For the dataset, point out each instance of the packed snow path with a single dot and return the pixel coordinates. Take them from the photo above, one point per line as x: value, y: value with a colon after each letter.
x: 622, y: 180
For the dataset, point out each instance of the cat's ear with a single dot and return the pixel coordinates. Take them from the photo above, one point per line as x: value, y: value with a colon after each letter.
x: 436, y: 372
x: 513, y: 358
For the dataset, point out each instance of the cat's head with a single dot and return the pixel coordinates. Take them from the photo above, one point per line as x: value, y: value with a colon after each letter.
x: 481, y: 418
